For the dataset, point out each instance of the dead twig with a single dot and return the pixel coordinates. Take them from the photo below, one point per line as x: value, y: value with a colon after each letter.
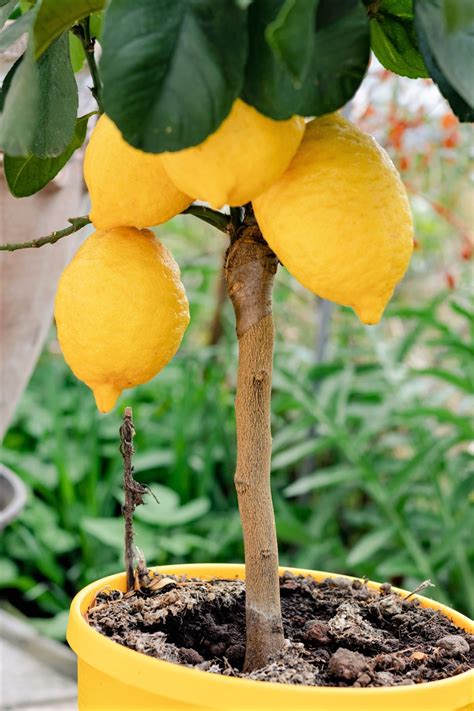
x: 134, y: 492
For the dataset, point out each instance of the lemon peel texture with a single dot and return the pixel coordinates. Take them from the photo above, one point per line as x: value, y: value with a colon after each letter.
x: 246, y: 154
x: 126, y: 185
x: 339, y: 218
x: 121, y: 311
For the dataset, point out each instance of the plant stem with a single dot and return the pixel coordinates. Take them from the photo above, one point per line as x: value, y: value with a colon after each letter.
x: 88, y: 43
x: 133, y: 492
x: 77, y: 223
x: 213, y: 217
x: 250, y: 270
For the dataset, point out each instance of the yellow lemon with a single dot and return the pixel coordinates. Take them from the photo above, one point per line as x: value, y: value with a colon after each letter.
x: 246, y: 154
x: 121, y: 311
x: 126, y: 185
x: 339, y: 218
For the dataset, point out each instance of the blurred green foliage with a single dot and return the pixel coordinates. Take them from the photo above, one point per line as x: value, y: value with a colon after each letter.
x: 371, y: 462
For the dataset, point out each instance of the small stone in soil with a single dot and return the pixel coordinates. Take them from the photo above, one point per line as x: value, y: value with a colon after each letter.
x: 316, y: 631
x: 347, y: 665
x: 453, y: 645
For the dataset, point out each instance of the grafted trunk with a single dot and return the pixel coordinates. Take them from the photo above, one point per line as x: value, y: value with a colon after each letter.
x: 250, y: 270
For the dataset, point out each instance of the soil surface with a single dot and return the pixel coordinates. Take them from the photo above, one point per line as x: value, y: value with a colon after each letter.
x: 338, y: 632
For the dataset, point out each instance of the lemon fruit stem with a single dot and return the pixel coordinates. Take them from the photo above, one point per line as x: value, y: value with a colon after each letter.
x: 83, y: 31
x: 250, y: 268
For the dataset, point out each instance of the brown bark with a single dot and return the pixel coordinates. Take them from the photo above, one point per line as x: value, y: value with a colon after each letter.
x: 250, y: 270
x: 133, y: 492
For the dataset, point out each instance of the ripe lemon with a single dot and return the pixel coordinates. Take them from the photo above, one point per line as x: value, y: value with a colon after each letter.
x: 121, y: 311
x: 339, y: 218
x: 246, y: 154
x: 126, y: 185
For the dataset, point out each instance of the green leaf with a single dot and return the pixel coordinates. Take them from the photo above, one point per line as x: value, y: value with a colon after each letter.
x: 170, y: 72
x: 40, y: 109
x: 7, y: 82
x: 453, y: 51
x: 322, y: 479
x: 166, y: 516
x: 150, y: 461
x: 292, y: 455
x: 459, y: 106
x: 14, y: 31
x: 26, y: 175
x: 330, y: 11
x: 52, y: 627
x: 8, y: 571
x: 96, y: 24
x: 368, y: 545
x: 291, y: 36
x: 58, y: 102
x: 462, y: 311
x: 55, y: 18
x: 458, y: 13
x: 395, y: 45
x: 20, y: 114
x: 337, y: 66
x: 457, y: 380
x: 110, y: 532
x: 76, y: 52
x: 6, y: 10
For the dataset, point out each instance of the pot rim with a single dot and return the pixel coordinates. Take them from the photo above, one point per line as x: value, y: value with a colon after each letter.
x: 148, y: 673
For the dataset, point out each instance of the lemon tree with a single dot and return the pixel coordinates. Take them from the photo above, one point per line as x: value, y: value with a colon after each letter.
x: 227, y: 110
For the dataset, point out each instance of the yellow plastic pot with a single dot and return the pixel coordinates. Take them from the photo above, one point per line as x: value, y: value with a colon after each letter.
x: 113, y: 678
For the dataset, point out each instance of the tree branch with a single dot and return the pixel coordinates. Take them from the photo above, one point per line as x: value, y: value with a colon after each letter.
x: 77, y: 223
x: 88, y: 42
x: 213, y: 217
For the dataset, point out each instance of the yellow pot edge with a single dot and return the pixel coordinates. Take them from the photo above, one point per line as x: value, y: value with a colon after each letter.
x: 194, y: 686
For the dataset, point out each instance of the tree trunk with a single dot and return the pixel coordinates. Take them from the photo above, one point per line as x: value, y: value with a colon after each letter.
x: 250, y: 270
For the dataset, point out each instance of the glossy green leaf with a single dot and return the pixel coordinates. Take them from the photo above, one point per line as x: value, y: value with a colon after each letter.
x: 170, y: 71
x: 26, y: 175
x: 395, y: 45
x: 339, y: 61
x: 55, y: 18
x: 8, y: 81
x: 453, y: 51
x: 58, y: 102
x: 459, y: 106
x: 14, y: 31
x: 76, y: 52
x: 96, y: 24
x: 291, y: 36
x: 458, y: 13
x: 41, y: 105
x: 19, y: 118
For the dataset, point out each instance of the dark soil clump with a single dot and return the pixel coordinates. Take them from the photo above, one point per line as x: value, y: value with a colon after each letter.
x: 339, y: 632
